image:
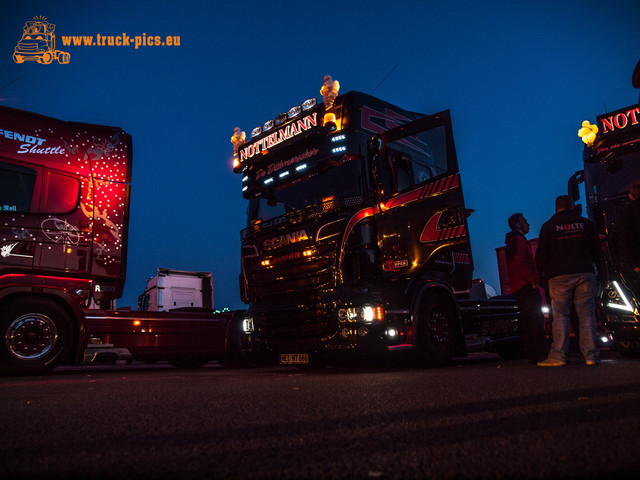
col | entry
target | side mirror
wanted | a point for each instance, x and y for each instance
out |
(573, 187)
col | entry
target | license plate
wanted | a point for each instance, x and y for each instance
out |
(294, 358)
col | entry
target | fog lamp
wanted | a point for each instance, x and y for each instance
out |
(247, 325)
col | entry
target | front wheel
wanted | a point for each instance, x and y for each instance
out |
(36, 335)
(628, 348)
(436, 330)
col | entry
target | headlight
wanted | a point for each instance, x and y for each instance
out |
(617, 299)
(247, 325)
(367, 314)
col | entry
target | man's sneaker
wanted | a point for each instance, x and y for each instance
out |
(551, 362)
(592, 363)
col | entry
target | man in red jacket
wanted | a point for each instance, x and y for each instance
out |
(523, 279)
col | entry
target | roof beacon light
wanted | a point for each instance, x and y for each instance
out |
(294, 111)
(308, 104)
(280, 119)
(268, 125)
(330, 121)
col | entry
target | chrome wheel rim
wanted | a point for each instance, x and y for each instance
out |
(31, 336)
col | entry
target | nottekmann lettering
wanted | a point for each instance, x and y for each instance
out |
(279, 136)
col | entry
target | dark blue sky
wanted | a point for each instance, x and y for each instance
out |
(518, 77)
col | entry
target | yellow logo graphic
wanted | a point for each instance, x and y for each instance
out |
(38, 43)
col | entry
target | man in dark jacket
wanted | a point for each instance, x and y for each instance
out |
(567, 255)
(523, 280)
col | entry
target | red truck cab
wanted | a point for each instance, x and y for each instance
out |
(64, 210)
(64, 202)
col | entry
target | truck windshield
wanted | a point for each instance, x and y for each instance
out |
(344, 182)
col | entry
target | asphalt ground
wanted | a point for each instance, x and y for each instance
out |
(480, 418)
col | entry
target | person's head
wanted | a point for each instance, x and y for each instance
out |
(564, 202)
(634, 190)
(517, 223)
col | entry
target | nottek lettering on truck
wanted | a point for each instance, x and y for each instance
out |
(279, 136)
(621, 120)
(32, 145)
(286, 239)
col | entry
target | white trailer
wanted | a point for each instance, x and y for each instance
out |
(177, 289)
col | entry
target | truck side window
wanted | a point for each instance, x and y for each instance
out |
(16, 187)
(402, 169)
(431, 159)
(62, 193)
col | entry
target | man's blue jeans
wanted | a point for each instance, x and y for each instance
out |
(579, 289)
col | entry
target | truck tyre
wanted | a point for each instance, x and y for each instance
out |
(235, 357)
(436, 332)
(36, 335)
(628, 348)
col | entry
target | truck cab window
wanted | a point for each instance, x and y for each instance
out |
(414, 160)
(16, 187)
(62, 193)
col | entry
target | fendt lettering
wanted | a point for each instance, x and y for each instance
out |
(391, 260)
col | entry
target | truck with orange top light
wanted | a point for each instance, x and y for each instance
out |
(64, 223)
(357, 242)
(611, 163)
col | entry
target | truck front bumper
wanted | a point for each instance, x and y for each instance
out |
(327, 331)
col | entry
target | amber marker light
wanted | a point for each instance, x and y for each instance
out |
(329, 121)
(136, 323)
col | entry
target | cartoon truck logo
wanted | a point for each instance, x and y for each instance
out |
(38, 43)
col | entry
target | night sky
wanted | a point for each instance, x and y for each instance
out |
(518, 77)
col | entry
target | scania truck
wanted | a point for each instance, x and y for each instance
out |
(357, 243)
(64, 223)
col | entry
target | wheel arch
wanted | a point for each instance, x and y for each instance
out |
(429, 289)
